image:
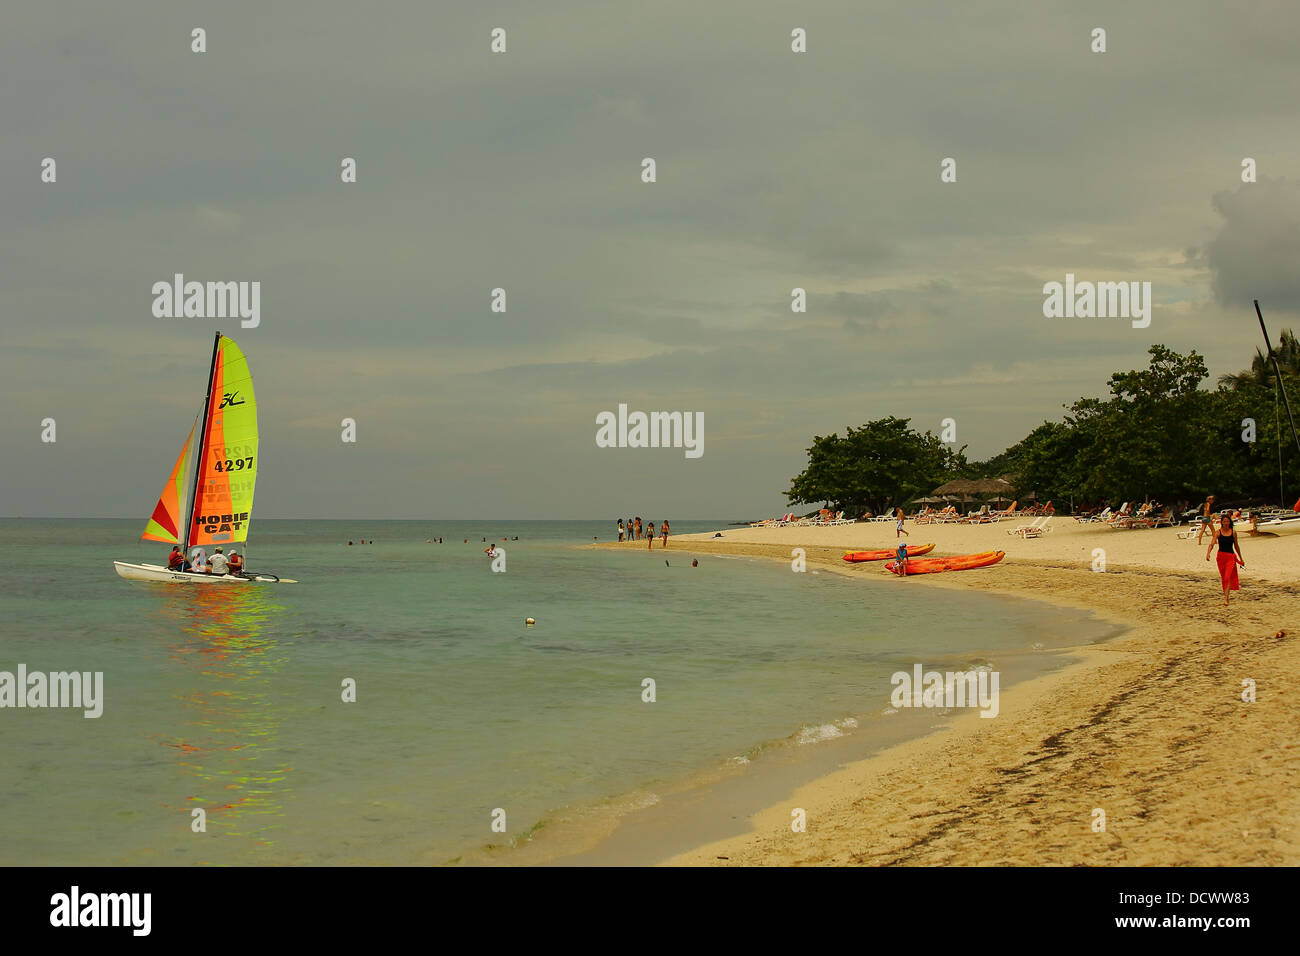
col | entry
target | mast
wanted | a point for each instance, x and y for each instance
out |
(1277, 370)
(198, 451)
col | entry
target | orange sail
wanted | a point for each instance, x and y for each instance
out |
(165, 522)
(223, 496)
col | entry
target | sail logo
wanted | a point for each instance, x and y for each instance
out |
(229, 399)
(1101, 300)
(975, 688)
(215, 524)
(208, 300)
(81, 689)
(75, 908)
(651, 430)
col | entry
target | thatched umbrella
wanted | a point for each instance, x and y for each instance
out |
(958, 486)
(998, 488)
(975, 486)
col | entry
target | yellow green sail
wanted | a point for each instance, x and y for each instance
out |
(223, 500)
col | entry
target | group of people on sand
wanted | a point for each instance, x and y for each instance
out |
(200, 563)
(632, 531)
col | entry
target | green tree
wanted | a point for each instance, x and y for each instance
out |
(878, 465)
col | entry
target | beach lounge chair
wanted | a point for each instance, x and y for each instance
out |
(1118, 516)
(1138, 520)
(1044, 526)
(996, 516)
(1024, 529)
(1153, 520)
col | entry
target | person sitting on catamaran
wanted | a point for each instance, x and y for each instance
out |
(236, 562)
(199, 561)
(176, 561)
(217, 563)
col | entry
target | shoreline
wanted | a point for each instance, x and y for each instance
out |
(650, 821)
(1148, 727)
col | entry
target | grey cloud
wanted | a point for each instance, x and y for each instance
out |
(1255, 252)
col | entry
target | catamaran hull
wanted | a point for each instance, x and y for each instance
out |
(156, 572)
(1281, 525)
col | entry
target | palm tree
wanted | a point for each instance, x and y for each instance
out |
(1260, 374)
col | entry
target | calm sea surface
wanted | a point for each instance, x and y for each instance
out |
(229, 699)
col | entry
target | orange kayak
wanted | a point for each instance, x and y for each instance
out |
(958, 562)
(913, 550)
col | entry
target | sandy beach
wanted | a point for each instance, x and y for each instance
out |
(1150, 728)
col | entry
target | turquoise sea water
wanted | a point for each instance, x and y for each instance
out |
(229, 698)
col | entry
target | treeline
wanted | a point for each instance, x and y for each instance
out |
(1159, 435)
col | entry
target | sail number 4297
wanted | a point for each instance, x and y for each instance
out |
(233, 464)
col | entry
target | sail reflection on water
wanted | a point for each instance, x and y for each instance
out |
(228, 749)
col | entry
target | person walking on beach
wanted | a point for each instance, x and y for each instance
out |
(663, 534)
(1205, 518)
(620, 529)
(638, 527)
(1229, 556)
(650, 533)
(898, 528)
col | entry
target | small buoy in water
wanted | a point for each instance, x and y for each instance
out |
(529, 621)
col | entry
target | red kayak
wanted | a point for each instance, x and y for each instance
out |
(959, 562)
(913, 551)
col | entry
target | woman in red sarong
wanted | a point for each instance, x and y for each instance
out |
(1229, 556)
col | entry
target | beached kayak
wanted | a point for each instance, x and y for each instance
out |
(913, 550)
(958, 562)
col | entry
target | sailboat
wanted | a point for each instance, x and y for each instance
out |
(208, 497)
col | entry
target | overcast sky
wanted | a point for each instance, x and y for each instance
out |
(522, 170)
